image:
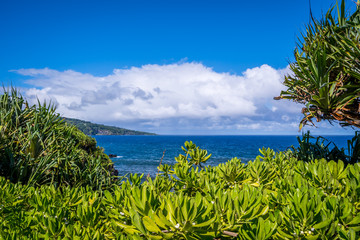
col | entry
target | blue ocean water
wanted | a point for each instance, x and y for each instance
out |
(142, 154)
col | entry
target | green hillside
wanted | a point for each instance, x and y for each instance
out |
(98, 129)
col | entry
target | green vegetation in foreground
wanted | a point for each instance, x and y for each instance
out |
(98, 129)
(37, 147)
(56, 184)
(273, 197)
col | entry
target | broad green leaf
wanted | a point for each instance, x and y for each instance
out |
(205, 224)
(322, 224)
(150, 225)
(355, 220)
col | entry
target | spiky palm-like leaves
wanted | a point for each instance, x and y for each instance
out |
(326, 72)
(38, 147)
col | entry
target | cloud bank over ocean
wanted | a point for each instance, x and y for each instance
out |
(182, 97)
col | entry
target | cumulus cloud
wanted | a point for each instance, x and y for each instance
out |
(180, 95)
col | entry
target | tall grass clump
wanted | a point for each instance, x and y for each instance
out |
(37, 147)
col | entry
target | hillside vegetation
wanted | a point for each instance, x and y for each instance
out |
(98, 129)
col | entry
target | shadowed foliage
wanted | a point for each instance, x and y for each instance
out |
(311, 148)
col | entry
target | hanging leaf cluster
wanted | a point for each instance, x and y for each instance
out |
(325, 75)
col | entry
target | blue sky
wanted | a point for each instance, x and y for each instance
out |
(171, 67)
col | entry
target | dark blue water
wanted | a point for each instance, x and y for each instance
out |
(142, 154)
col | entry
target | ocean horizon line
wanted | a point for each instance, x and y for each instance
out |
(227, 135)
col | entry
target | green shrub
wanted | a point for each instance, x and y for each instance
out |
(37, 147)
(309, 150)
(274, 197)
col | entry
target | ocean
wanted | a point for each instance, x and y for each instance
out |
(142, 154)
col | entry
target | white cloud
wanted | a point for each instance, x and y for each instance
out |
(180, 95)
(249, 126)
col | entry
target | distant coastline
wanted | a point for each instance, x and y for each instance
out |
(90, 128)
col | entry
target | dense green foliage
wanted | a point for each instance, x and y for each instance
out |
(38, 147)
(273, 197)
(56, 184)
(309, 149)
(326, 72)
(98, 129)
